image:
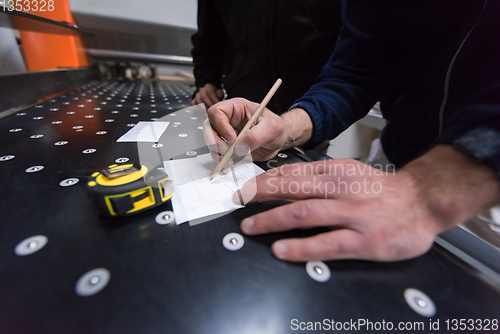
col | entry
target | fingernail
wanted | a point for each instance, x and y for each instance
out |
(279, 249)
(247, 225)
(221, 148)
(227, 168)
(241, 150)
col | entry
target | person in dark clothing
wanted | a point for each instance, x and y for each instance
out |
(244, 46)
(435, 67)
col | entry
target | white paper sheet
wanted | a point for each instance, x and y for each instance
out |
(195, 196)
(145, 132)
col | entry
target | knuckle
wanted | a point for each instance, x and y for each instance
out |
(300, 210)
(334, 249)
(379, 246)
(239, 100)
(330, 178)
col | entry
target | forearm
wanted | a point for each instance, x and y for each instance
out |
(298, 127)
(451, 187)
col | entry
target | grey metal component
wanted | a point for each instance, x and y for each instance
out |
(25, 88)
(311, 156)
(165, 217)
(24, 21)
(92, 282)
(139, 57)
(420, 302)
(134, 35)
(11, 59)
(31, 245)
(34, 169)
(472, 245)
(162, 12)
(233, 241)
(318, 271)
(474, 251)
(122, 160)
(7, 157)
(69, 182)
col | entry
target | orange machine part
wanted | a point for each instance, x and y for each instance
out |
(48, 51)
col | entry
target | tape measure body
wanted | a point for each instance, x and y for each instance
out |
(124, 190)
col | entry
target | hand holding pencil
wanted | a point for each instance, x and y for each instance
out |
(231, 121)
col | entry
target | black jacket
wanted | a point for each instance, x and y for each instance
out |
(246, 45)
(434, 64)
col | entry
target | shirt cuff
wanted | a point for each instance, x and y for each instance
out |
(481, 145)
(317, 132)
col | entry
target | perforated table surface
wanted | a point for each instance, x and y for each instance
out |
(168, 278)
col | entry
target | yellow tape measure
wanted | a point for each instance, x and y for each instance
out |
(123, 190)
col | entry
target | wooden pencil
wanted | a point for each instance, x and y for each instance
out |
(247, 127)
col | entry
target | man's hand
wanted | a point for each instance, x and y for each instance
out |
(271, 134)
(372, 215)
(209, 95)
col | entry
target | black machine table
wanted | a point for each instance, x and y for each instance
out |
(168, 278)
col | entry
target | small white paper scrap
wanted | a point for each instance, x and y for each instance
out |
(195, 196)
(145, 132)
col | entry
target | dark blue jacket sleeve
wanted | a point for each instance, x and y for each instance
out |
(356, 76)
(473, 125)
(474, 128)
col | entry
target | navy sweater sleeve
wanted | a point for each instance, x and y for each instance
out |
(358, 73)
(474, 128)
(473, 125)
(209, 44)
